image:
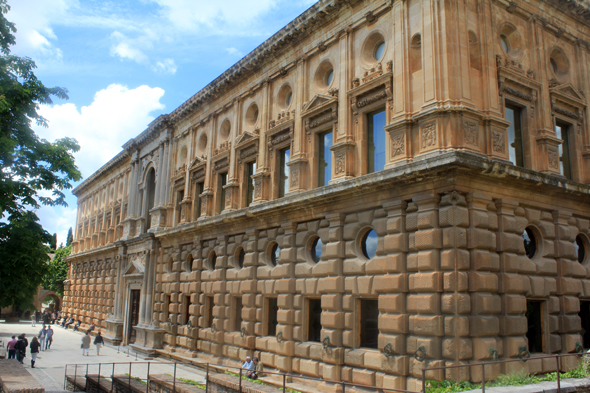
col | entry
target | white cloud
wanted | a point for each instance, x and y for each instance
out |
(167, 66)
(58, 220)
(233, 51)
(194, 14)
(33, 18)
(116, 115)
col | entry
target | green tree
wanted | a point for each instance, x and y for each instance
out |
(24, 256)
(70, 237)
(57, 272)
(34, 171)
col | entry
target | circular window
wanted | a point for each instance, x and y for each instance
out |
(324, 75)
(202, 146)
(241, 255)
(285, 96)
(530, 242)
(559, 65)
(369, 244)
(373, 49)
(225, 129)
(212, 261)
(510, 41)
(252, 115)
(580, 246)
(316, 249)
(379, 50)
(274, 253)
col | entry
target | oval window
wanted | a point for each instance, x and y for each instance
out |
(189, 264)
(288, 99)
(379, 50)
(505, 43)
(580, 249)
(275, 251)
(316, 249)
(329, 77)
(212, 261)
(369, 244)
(241, 256)
(530, 243)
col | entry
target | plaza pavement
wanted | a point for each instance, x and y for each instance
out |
(51, 364)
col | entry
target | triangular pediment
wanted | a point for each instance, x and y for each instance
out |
(568, 90)
(134, 267)
(318, 101)
(246, 137)
(197, 161)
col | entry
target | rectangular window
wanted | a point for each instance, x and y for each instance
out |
(238, 314)
(565, 167)
(200, 189)
(271, 319)
(166, 308)
(585, 318)
(209, 303)
(369, 323)
(186, 308)
(515, 148)
(221, 189)
(179, 198)
(534, 333)
(376, 141)
(314, 320)
(284, 158)
(325, 158)
(251, 171)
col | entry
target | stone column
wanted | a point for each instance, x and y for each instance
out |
(298, 166)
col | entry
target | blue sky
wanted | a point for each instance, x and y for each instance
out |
(125, 62)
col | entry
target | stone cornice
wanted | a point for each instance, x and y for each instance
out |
(151, 133)
(577, 9)
(115, 161)
(304, 24)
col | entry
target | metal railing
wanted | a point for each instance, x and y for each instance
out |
(210, 368)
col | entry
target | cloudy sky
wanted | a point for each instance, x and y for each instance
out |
(125, 62)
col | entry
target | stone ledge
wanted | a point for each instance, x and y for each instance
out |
(14, 378)
(568, 385)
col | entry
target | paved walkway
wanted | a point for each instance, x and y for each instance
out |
(51, 364)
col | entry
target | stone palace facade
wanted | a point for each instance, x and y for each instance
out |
(381, 186)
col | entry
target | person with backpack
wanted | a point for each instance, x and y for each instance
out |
(11, 349)
(21, 347)
(99, 342)
(34, 351)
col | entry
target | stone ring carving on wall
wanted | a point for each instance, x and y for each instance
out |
(243, 332)
(388, 350)
(280, 337)
(523, 353)
(420, 354)
(326, 342)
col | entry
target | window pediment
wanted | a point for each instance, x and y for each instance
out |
(245, 139)
(319, 103)
(566, 101)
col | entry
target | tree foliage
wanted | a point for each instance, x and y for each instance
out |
(24, 256)
(34, 171)
(57, 272)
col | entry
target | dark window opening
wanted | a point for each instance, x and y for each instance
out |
(186, 311)
(580, 247)
(251, 171)
(241, 257)
(515, 147)
(585, 318)
(284, 158)
(534, 333)
(151, 196)
(200, 189)
(369, 323)
(222, 184)
(275, 252)
(273, 309)
(209, 304)
(565, 167)
(238, 314)
(376, 141)
(179, 198)
(325, 159)
(314, 326)
(167, 308)
(530, 243)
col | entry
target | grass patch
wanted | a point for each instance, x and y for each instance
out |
(137, 379)
(517, 379)
(191, 382)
